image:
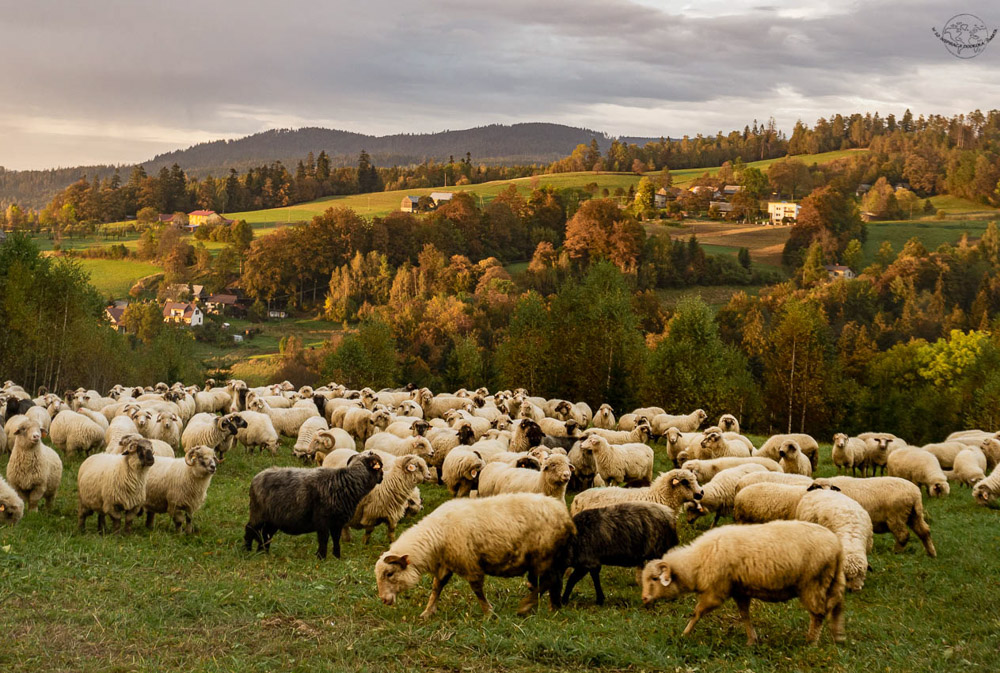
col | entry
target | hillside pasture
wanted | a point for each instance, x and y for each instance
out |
(158, 601)
(114, 277)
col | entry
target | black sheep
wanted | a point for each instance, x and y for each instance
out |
(627, 534)
(298, 500)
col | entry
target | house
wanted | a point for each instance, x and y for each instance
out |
(276, 314)
(196, 218)
(179, 291)
(862, 189)
(839, 271)
(730, 190)
(183, 313)
(782, 211)
(223, 304)
(114, 315)
(704, 189)
(721, 206)
(164, 218)
(409, 204)
(440, 197)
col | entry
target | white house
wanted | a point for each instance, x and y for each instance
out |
(839, 271)
(184, 313)
(779, 211)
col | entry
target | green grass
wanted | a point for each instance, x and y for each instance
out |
(713, 295)
(115, 276)
(931, 232)
(156, 601)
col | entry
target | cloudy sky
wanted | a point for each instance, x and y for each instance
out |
(109, 81)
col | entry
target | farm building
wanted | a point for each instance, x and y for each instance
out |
(114, 315)
(183, 313)
(409, 204)
(729, 190)
(440, 197)
(834, 271)
(224, 304)
(196, 218)
(781, 211)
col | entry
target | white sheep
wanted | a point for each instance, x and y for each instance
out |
(339, 457)
(793, 460)
(307, 431)
(707, 469)
(685, 423)
(166, 427)
(605, 417)
(808, 446)
(73, 432)
(773, 478)
(764, 501)
(715, 445)
(945, 452)
(969, 466)
(326, 441)
(672, 489)
(207, 430)
(848, 453)
(388, 502)
(719, 495)
(397, 446)
(288, 420)
(848, 521)
(729, 423)
(988, 490)
(551, 480)
(11, 505)
(640, 434)
(878, 446)
(177, 486)
(34, 470)
(920, 467)
(620, 463)
(114, 485)
(460, 470)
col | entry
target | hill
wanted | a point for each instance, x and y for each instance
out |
(494, 144)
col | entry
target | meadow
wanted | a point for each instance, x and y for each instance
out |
(158, 601)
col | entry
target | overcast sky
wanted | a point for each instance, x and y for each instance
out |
(106, 81)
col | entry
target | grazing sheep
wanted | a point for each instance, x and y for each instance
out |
(627, 535)
(969, 467)
(672, 489)
(846, 519)
(505, 535)
(719, 495)
(460, 471)
(894, 505)
(444, 440)
(306, 434)
(686, 423)
(706, 470)
(619, 463)
(34, 470)
(11, 505)
(808, 446)
(988, 490)
(920, 467)
(772, 478)
(772, 562)
(715, 445)
(114, 485)
(388, 501)
(764, 501)
(286, 421)
(72, 432)
(326, 441)
(945, 452)
(848, 453)
(729, 423)
(551, 480)
(297, 500)
(792, 460)
(416, 446)
(605, 417)
(640, 434)
(177, 486)
(208, 430)
(991, 449)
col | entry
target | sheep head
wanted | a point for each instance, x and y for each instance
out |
(138, 451)
(394, 574)
(202, 459)
(658, 582)
(466, 435)
(557, 469)
(29, 431)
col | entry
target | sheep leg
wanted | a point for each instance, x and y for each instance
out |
(34, 496)
(102, 523)
(574, 577)
(178, 517)
(715, 521)
(439, 583)
(837, 623)
(477, 589)
(368, 535)
(706, 603)
(815, 627)
(128, 516)
(249, 535)
(743, 605)
(81, 518)
(529, 602)
(595, 575)
(923, 531)
(391, 531)
(149, 519)
(323, 539)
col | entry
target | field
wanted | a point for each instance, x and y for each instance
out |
(156, 601)
(114, 277)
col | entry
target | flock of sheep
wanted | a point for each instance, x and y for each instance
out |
(508, 459)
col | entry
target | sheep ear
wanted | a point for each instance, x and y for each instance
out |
(814, 487)
(834, 488)
(189, 456)
(401, 561)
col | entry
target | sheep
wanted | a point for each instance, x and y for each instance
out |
(404, 426)
(437, 406)
(359, 423)
(460, 471)
(307, 431)
(209, 430)
(706, 470)
(72, 432)
(11, 505)
(177, 486)
(808, 446)
(504, 535)
(584, 468)
(719, 495)
(118, 428)
(339, 458)
(34, 470)
(561, 429)
(444, 440)
(848, 453)
(326, 441)
(660, 423)
(630, 420)
(297, 500)
(848, 521)
(628, 535)
(729, 423)
(287, 421)
(165, 427)
(945, 452)
(605, 417)
(878, 446)
(114, 485)
(417, 446)
(920, 467)
(986, 491)
(387, 502)
(969, 467)
(619, 463)
(991, 449)
(551, 480)
(894, 505)
(525, 434)
(792, 460)
(410, 409)
(678, 442)
(772, 478)
(764, 501)
(715, 445)
(672, 489)
(771, 562)
(640, 434)
(582, 414)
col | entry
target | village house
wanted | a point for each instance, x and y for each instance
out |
(834, 271)
(410, 204)
(196, 218)
(440, 197)
(780, 211)
(722, 207)
(224, 304)
(183, 313)
(114, 315)
(185, 292)
(730, 190)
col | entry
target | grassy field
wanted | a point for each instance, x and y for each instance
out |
(156, 601)
(115, 276)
